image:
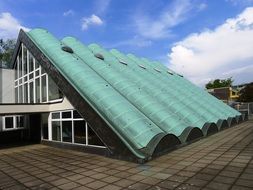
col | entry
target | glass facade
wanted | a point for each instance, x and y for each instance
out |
(68, 126)
(32, 84)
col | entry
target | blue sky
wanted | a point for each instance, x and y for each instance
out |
(146, 28)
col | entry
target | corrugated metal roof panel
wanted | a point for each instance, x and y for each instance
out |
(138, 104)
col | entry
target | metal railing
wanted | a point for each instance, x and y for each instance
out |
(244, 107)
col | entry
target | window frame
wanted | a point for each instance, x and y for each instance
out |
(72, 119)
(24, 78)
(14, 122)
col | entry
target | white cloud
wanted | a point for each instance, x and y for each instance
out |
(240, 2)
(173, 15)
(9, 26)
(70, 12)
(92, 20)
(223, 52)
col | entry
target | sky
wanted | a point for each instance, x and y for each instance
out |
(200, 39)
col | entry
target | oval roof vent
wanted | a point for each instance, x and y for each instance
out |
(123, 62)
(142, 66)
(158, 70)
(99, 56)
(170, 72)
(67, 49)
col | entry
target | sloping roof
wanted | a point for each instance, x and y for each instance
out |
(142, 101)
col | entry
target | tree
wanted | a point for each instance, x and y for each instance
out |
(246, 94)
(6, 51)
(218, 83)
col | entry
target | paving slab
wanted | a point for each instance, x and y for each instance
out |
(221, 161)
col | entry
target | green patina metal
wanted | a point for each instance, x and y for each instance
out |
(138, 98)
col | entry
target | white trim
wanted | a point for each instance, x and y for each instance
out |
(20, 80)
(72, 119)
(14, 122)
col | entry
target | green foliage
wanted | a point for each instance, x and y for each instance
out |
(218, 83)
(246, 94)
(6, 51)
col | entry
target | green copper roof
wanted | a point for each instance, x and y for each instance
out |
(139, 99)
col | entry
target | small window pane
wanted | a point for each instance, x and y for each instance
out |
(44, 88)
(25, 58)
(76, 114)
(31, 76)
(67, 131)
(37, 90)
(79, 132)
(45, 126)
(20, 66)
(93, 138)
(31, 66)
(42, 70)
(9, 123)
(53, 90)
(20, 94)
(56, 115)
(37, 73)
(31, 92)
(26, 93)
(56, 131)
(66, 114)
(36, 64)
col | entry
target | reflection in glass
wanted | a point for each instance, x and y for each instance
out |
(37, 90)
(53, 90)
(93, 138)
(76, 114)
(25, 59)
(79, 132)
(67, 131)
(56, 115)
(45, 125)
(26, 93)
(9, 122)
(31, 92)
(66, 114)
(44, 88)
(56, 131)
(31, 66)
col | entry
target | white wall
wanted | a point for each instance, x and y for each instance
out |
(7, 93)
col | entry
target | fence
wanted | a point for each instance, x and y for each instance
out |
(244, 107)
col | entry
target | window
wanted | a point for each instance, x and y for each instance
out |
(31, 63)
(79, 132)
(70, 127)
(9, 123)
(93, 138)
(44, 118)
(53, 90)
(44, 88)
(56, 131)
(67, 131)
(13, 122)
(32, 84)
(37, 90)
